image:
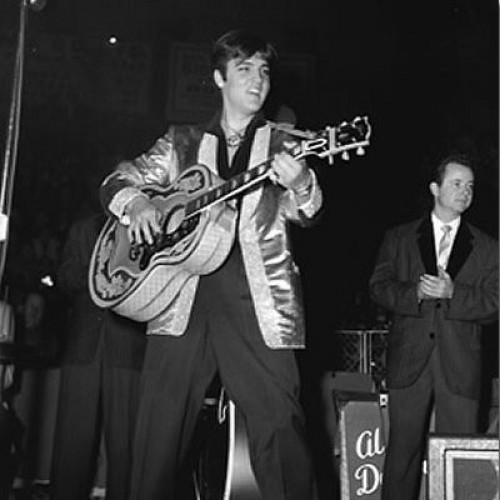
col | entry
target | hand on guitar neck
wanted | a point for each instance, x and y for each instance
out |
(291, 174)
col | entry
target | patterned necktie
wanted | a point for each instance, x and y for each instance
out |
(444, 246)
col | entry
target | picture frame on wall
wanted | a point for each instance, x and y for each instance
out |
(191, 94)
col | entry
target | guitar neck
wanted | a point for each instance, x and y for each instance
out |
(227, 190)
(334, 140)
(237, 184)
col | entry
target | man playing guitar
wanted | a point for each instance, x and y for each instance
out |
(244, 318)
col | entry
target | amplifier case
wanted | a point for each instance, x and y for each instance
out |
(462, 467)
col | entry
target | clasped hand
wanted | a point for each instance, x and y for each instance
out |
(435, 287)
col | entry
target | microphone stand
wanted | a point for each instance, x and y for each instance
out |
(12, 139)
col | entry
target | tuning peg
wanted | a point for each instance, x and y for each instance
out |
(360, 151)
(345, 155)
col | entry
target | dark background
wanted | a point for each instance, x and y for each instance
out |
(424, 72)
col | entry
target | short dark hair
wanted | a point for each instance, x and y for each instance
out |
(438, 171)
(240, 44)
(434, 170)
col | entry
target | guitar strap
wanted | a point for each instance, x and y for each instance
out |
(290, 130)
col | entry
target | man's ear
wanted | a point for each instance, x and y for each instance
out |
(434, 188)
(218, 79)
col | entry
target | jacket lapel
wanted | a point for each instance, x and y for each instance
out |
(462, 247)
(259, 154)
(426, 246)
(207, 152)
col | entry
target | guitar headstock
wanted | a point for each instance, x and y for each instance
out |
(340, 139)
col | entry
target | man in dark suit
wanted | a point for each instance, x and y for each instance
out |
(99, 388)
(439, 277)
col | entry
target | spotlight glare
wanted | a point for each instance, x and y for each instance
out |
(37, 5)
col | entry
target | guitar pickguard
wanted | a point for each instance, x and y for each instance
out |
(109, 285)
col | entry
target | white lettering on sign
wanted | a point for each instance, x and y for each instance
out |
(368, 446)
(370, 479)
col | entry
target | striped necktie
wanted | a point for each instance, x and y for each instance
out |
(444, 246)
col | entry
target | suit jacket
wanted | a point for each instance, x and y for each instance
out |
(453, 325)
(87, 325)
(263, 227)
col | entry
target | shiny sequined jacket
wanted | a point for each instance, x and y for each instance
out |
(263, 227)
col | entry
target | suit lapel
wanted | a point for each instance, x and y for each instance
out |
(207, 152)
(462, 247)
(258, 155)
(427, 246)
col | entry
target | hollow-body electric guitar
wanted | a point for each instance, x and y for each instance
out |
(198, 223)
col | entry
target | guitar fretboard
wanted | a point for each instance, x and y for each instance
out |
(226, 190)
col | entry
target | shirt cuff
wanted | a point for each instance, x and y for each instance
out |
(312, 191)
